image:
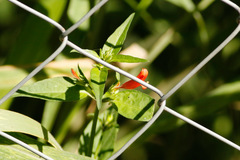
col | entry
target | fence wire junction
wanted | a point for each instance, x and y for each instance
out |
(162, 97)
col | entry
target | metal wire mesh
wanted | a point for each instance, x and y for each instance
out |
(162, 98)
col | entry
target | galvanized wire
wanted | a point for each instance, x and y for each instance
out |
(163, 98)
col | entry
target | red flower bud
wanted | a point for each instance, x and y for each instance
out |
(74, 74)
(133, 84)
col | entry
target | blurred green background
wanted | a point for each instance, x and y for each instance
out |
(174, 36)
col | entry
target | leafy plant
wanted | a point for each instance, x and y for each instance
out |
(132, 104)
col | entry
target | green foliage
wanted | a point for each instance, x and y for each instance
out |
(11, 151)
(176, 35)
(98, 80)
(24, 124)
(134, 105)
(58, 89)
(115, 42)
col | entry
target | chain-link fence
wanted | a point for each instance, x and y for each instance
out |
(162, 97)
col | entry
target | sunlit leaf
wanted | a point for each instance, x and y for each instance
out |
(76, 10)
(114, 43)
(14, 122)
(134, 104)
(98, 80)
(11, 151)
(58, 88)
(127, 59)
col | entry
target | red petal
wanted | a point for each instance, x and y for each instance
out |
(74, 73)
(131, 84)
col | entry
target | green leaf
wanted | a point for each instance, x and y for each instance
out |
(127, 59)
(134, 104)
(56, 11)
(98, 80)
(10, 151)
(76, 10)
(58, 88)
(15, 122)
(115, 42)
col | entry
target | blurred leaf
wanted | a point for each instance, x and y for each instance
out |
(68, 121)
(144, 4)
(98, 80)
(58, 88)
(231, 48)
(32, 44)
(50, 113)
(188, 5)
(11, 151)
(77, 9)
(201, 27)
(6, 12)
(134, 104)
(127, 59)
(223, 125)
(212, 101)
(15, 122)
(115, 41)
(55, 12)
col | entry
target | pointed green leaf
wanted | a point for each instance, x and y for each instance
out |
(127, 59)
(11, 151)
(98, 80)
(114, 43)
(15, 122)
(134, 104)
(58, 88)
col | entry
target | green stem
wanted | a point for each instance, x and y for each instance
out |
(94, 125)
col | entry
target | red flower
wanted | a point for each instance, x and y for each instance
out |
(74, 74)
(133, 84)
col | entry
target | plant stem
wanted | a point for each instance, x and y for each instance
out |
(94, 125)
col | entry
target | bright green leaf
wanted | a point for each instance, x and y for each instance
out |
(98, 80)
(76, 10)
(127, 59)
(115, 42)
(56, 11)
(58, 88)
(14, 122)
(134, 104)
(11, 151)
